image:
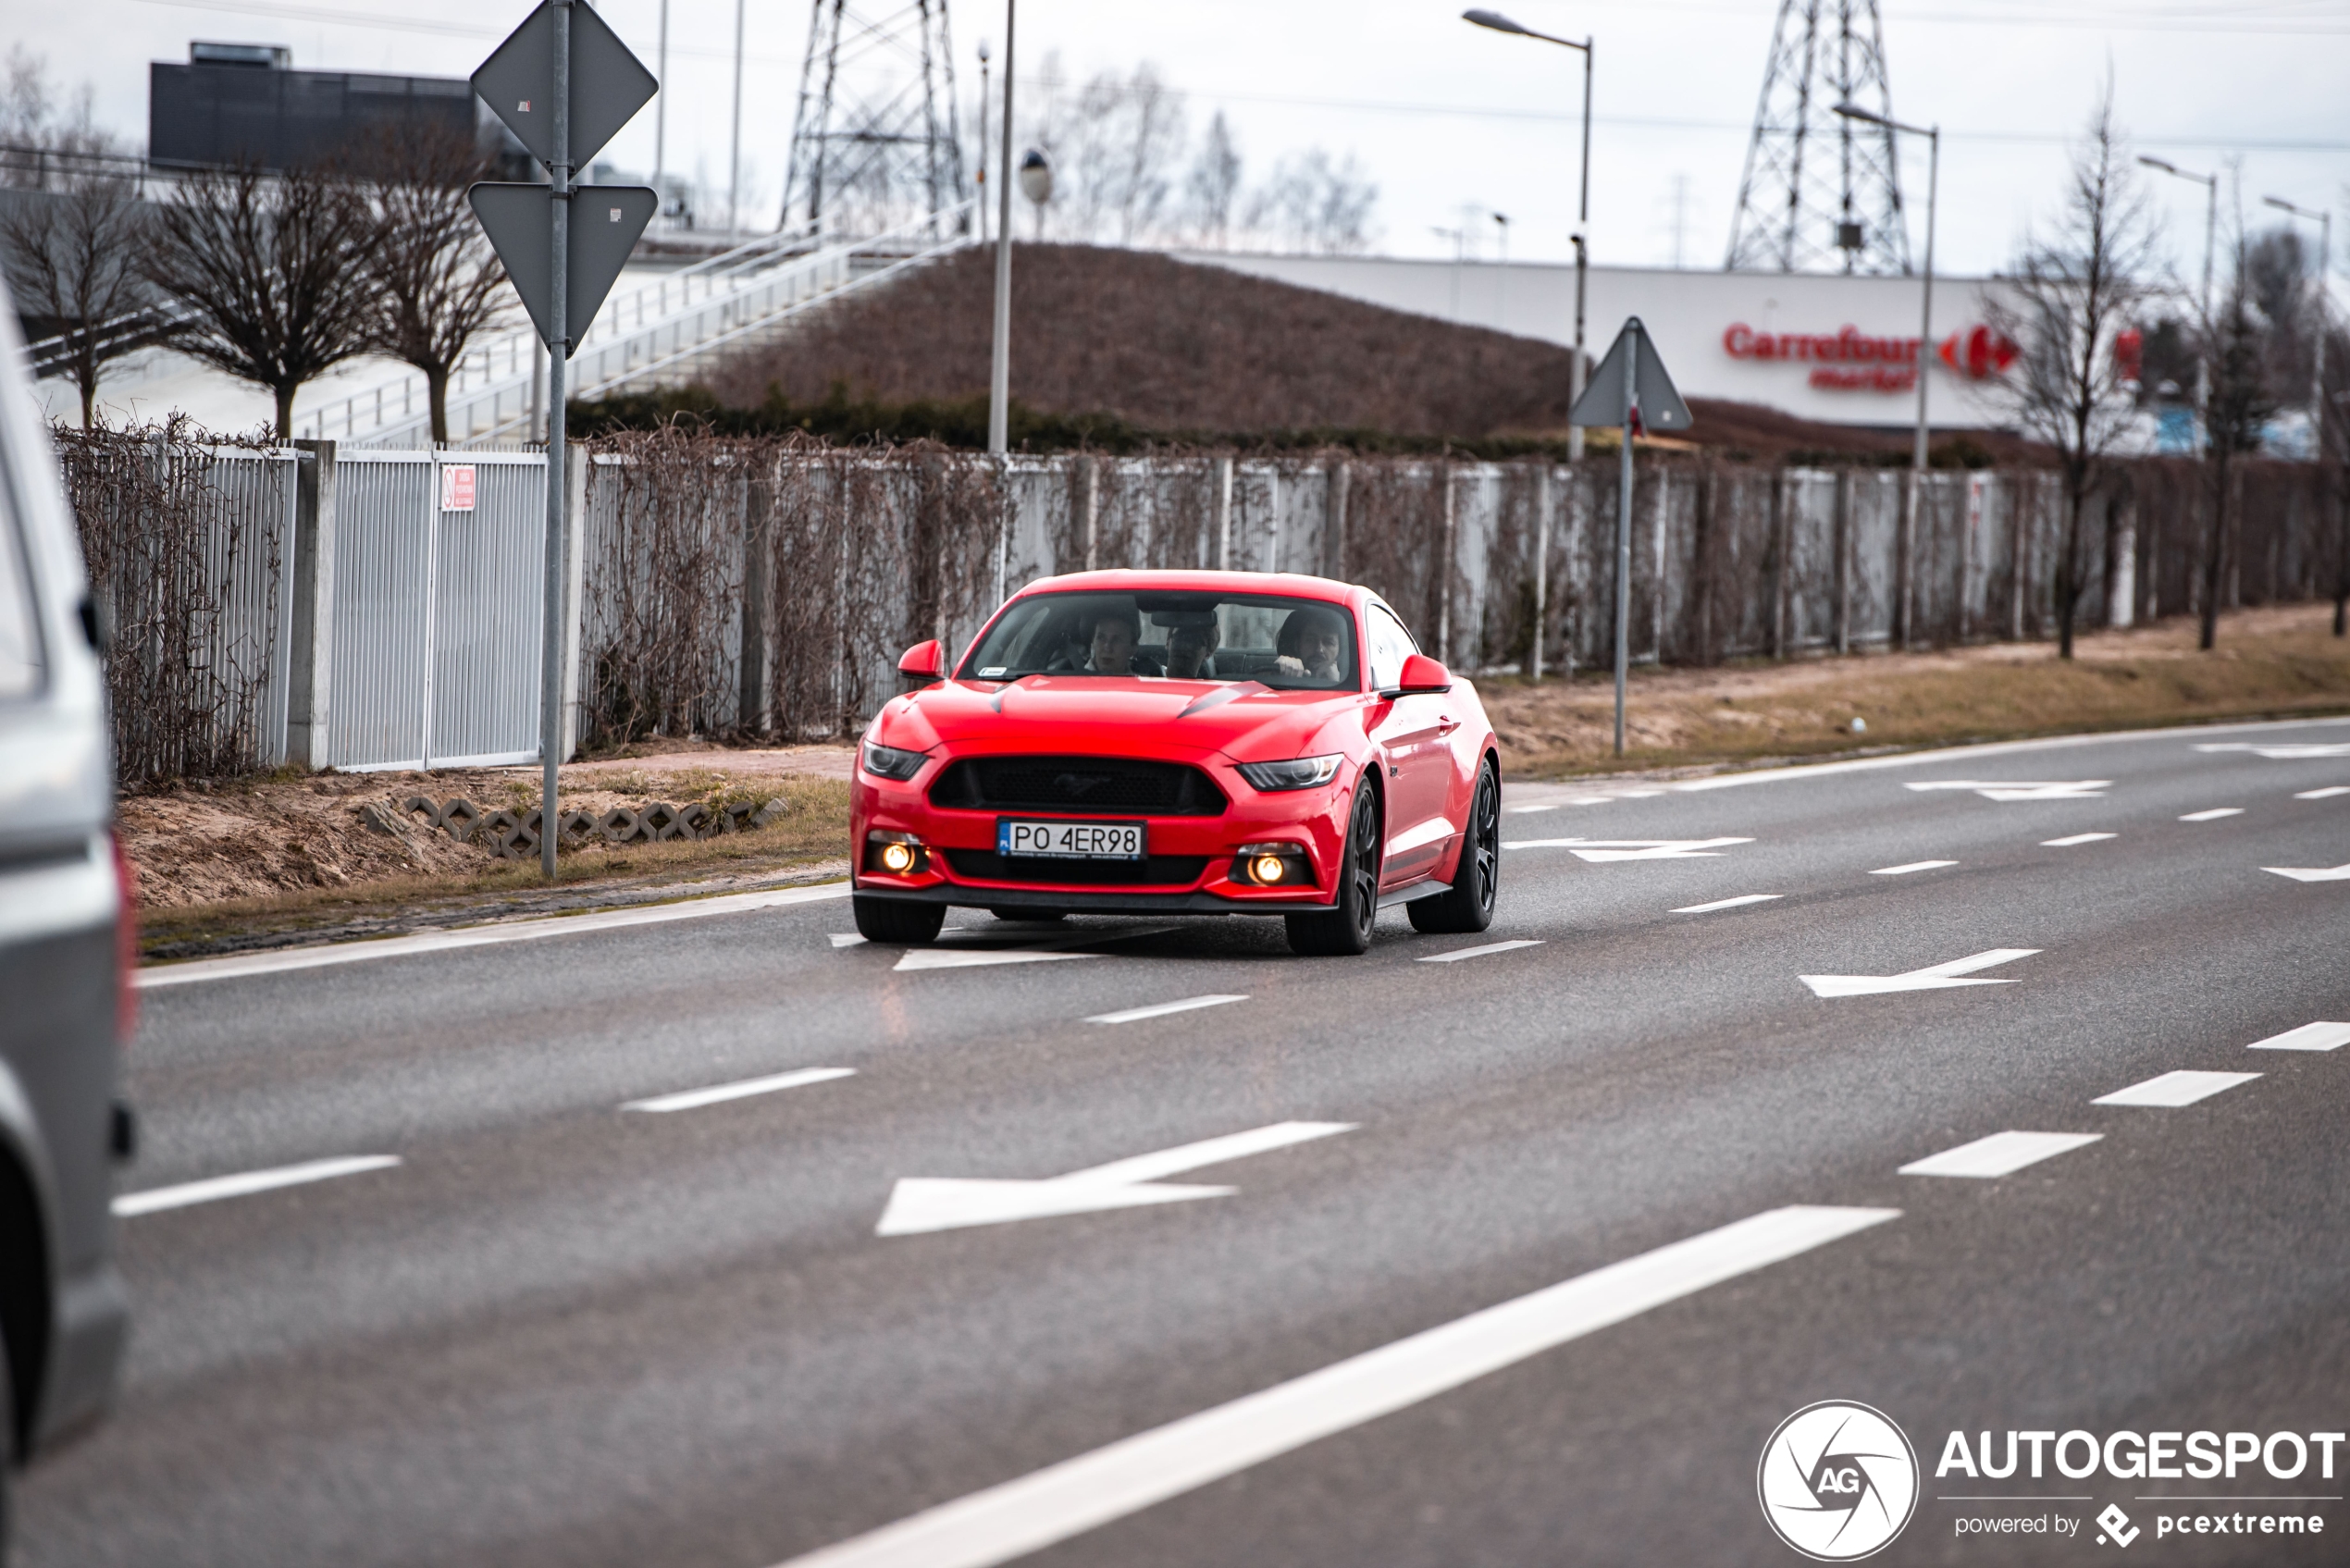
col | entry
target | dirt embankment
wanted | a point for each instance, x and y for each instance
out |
(2269, 663)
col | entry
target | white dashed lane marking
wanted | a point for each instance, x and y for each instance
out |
(2074, 789)
(694, 1099)
(1066, 1499)
(2309, 1037)
(1160, 1009)
(2002, 1153)
(2326, 794)
(1913, 866)
(2172, 1090)
(1740, 902)
(214, 1188)
(1481, 952)
(2076, 838)
(2213, 815)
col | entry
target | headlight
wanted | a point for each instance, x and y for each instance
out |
(888, 762)
(1303, 774)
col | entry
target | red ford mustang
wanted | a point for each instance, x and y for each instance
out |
(1190, 742)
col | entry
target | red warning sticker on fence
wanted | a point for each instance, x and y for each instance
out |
(457, 486)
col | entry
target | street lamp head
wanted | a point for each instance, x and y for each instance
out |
(2283, 205)
(1497, 22)
(1036, 178)
(982, 51)
(1854, 111)
(2165, 166)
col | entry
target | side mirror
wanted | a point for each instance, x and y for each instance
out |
(924, 662)
(1422, 674)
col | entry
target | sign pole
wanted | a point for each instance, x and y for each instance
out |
(551, 647)
(1623, 529)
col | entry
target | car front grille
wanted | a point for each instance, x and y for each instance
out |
(1158, 870)
(1111, 785)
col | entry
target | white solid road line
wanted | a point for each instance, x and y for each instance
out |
(482, 937)
(251, 1181)
(2326, 794)
(2172, 1090)
(1124, 1477)
(920, 1203)
(1160, 1009)
(2002, 1153)
(1458, 954)
(2309, 1037)
(1934, 977)
(694, 1099)
(1738, 903)
(2213, 815)
(1913, 866)
(2076, 838)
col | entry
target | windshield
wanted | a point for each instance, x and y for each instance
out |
(1294, 644)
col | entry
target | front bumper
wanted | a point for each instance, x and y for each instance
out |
(1082, 901)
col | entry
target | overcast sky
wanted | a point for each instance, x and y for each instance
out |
(1443, 114)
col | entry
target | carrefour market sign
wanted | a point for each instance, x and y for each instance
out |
(1851, 360)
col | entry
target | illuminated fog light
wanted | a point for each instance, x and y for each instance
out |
(897, 858)
(1268, 869)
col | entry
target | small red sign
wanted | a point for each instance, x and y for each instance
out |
(457, 486)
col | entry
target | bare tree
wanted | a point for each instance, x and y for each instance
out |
(73, 257)
(2070, 293)
(2240, 405)
(1213, 186)
(436, 280)
(272, 271)
(1314, 204)
(1150, 134)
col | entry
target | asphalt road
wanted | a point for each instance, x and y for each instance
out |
(558, 1332)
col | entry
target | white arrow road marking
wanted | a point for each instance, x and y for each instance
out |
(1459, 953)
(481, 936)
(2311, 873)
(2213, 815)
(2309, 1037)
(2326, 794)
(2002, 1153)
(2299, 752)
(1934, 977)
(1913, 866)
(955, 956)
(2076, 789)
(846, 939)
(2076, 838)
(251, 1181)
(1739, 902)
(1124, 1477)
(921, 1203)
(1600, 850)
(694, 1099)
(1160, 1009)
(2175, 1089)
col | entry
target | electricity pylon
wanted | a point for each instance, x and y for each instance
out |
(874, 141)
(1821, 192)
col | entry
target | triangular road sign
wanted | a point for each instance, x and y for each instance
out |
(1604, 402)
(605, 222)
(608, 83)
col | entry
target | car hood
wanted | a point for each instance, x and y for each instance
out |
(1094, 715)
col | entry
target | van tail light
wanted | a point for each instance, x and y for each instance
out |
(126, 942)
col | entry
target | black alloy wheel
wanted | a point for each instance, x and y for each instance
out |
(1346, 929)
(896, 919)
(1469, 904)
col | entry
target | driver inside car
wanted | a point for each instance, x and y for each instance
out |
(1309, 644)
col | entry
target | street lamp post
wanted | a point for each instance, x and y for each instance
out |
(1932, 134)
(2210, 182)
(1501, 23)
(999, 376)
(982, 202)
(2318, 372)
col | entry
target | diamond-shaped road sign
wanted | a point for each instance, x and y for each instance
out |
(605, 221)
(608, 83)
(1604, 402)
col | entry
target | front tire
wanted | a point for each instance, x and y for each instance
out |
(896, 919)
(1468, 906)
(1347, 930)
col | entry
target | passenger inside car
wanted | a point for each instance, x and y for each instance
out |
(1111, 648)
(1192, 638)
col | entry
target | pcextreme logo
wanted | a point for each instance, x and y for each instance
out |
(1838, 1480)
